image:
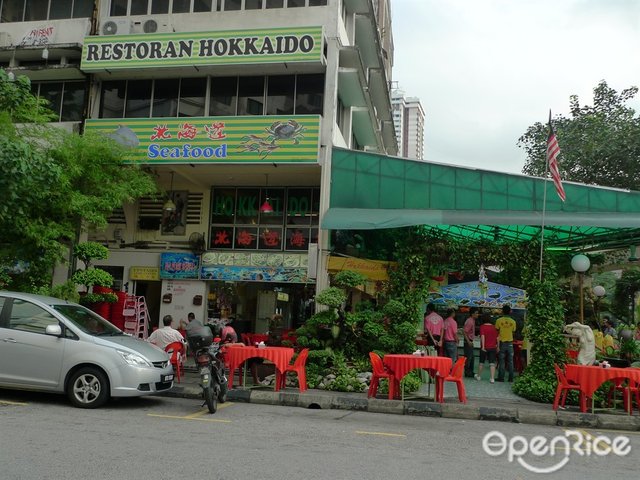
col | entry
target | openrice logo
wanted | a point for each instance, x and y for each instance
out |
(558, 448)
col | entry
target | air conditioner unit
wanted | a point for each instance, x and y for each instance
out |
(5, 39)
(150, 25)
(120, 26)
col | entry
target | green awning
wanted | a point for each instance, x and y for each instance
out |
(372, 191)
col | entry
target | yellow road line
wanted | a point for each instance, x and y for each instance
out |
(7, 402)
(382, 434)
(196, 415)
(189, 418)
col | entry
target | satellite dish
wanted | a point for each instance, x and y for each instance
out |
(109, 28)
(150, 26)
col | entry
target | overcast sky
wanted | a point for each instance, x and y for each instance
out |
(485, 70)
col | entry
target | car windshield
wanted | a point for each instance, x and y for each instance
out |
(87, 321)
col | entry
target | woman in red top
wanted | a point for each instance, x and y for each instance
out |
(488, 346)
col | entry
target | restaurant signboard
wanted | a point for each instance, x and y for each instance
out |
(179, 265)
(247, 139)
(193, 49)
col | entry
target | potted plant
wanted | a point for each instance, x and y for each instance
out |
(97, 293)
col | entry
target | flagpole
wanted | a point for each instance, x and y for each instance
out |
(544, 205)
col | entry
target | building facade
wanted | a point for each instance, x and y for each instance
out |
(408, 119)
(234, 106)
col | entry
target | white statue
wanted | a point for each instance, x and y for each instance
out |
(587, 353)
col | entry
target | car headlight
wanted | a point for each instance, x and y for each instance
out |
(135, 359)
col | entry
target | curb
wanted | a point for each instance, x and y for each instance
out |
(336, 401)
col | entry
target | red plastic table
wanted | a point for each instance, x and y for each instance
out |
(590, 378)
(237, 354)
(400, 365)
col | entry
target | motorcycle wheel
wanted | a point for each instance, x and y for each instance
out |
(222, 395)
(210, 399)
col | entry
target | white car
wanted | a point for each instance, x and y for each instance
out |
(52, 345)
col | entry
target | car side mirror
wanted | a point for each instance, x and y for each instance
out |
(217, 340)
(53, 330)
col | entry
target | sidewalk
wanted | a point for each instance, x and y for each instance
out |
(485, 401)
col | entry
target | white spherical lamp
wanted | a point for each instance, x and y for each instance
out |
(599, 291)
(580, 263)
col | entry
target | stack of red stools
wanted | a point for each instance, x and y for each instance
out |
(117, 317)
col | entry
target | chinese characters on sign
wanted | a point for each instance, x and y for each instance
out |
(215, 131)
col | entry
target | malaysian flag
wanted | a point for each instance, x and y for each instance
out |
(553, 150)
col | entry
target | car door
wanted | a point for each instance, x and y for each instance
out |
(29, 357)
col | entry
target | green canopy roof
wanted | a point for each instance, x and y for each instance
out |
(372, 191)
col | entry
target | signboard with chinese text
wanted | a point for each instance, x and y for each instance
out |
(239, 47)
(199, 140)
(179, 265)
(144, 273)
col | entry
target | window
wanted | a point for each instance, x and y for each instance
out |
(228, 96)
(237, 223)
(280, 94)
(232, 5)
(275, 3)
(28, 317)
(295, 3)
(118, 8)
(60, 9)
(140, 7)
(66, 99)
(112, 99)
(138, 101)
(317, 3)
(224, 96)
(309, 94)
(252, 4)
(193, 93)
(181, 6)
(251, 96)
(159, 6)
(165, 98)
(12, 11)
(72, 102)
(202, 5)
(52, 92)
(84, 8)
(36, 10)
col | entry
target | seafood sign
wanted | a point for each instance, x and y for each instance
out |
(158, 50)
(254, 139)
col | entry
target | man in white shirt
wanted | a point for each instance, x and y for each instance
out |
(165, 335)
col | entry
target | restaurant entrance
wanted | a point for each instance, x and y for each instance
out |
(252, 304)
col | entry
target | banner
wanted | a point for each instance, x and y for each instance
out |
(179, 265)
(372, 269)
(162, 50)
(246, 139)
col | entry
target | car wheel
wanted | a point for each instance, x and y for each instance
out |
(88, 388)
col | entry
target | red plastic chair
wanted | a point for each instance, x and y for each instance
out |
(177, 351)
(379, 372)
(299, 367)
(456, 377)
(629, 390)
(564, 386)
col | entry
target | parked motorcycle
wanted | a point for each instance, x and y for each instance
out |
(209, 359)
